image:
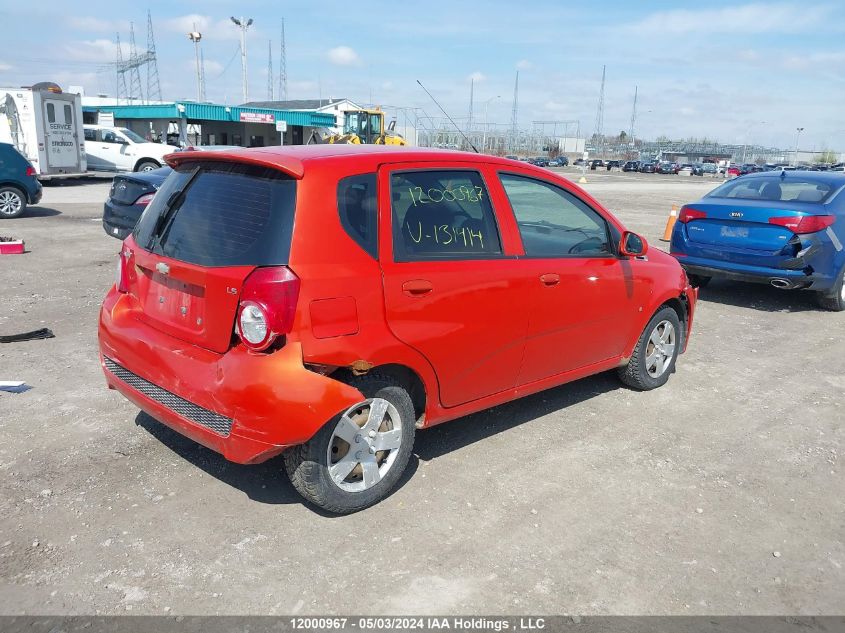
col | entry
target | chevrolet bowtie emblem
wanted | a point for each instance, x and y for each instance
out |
(162, 268)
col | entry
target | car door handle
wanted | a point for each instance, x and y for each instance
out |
(417, 287)
(550, 279)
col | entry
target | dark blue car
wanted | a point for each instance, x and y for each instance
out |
(18, 184)
(781, 228)
(128, 197)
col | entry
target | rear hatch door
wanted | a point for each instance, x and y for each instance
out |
(210, 225)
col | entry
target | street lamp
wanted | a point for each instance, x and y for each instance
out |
(195, 36)
(797, 138)
(243, 24)
(486, 105)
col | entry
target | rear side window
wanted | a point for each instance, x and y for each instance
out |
(357, 206)
(442, 215)
(221, 214)
(776, 189)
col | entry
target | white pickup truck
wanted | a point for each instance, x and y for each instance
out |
(120, 149)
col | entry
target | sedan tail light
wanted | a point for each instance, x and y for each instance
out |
(144, 200)
(801, 224)
(687, 215)
(267, 307)
(30, 171)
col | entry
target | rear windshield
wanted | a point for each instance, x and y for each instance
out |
(776, 189)
(221, 214)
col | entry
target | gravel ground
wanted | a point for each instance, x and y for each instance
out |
(720, 493)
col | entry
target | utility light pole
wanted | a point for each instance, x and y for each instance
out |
(797, 138)
(243, 24)
(747, 134)
(486, 105)
(195, 36)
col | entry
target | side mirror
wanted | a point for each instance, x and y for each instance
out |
(632, 245)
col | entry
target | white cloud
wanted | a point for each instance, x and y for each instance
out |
(4, 66)
(99, 50)
(748, 19)
(476, 77)
(88, 23)
(524, 64)
(187, 23)
(343, 56)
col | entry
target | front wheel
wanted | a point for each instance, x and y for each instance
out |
(12, 202)
(835, 299)
(656, 352)
(357, 458)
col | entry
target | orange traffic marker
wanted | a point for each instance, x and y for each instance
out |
(670, 224)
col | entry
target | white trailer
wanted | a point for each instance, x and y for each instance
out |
(45, 124)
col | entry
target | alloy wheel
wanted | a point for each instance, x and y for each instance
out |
(660, 349)
(364, 445)
(10, 203)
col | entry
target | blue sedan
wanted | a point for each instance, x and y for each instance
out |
(781, 228)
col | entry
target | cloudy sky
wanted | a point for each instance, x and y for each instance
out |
(733, 71)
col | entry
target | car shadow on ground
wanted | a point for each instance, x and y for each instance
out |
(265, 483)
(39, 212)
(445, 438)
(758, 297)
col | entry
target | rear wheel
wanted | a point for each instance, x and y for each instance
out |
(12, 202)
(656, 352)
(835, 299)
(357, 458)
(147, 165)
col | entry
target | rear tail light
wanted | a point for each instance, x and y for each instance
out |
(687, 215)
(30, 171)
(804, 223)
(121, 282)
(268, 306)
(144, 200)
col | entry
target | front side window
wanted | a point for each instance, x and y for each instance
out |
(554, 223)
(109, 137)
(357, 206)
(135, 138)
(442, 215)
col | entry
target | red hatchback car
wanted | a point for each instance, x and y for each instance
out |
(328, 301)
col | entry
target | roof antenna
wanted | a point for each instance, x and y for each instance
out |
(474, 148)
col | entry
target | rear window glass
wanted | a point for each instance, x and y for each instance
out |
(442, 215)
(221, 214)
(776, 189)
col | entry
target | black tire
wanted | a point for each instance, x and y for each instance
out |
(12, 202)
(698, 281)
(635, 374)
(307, 465)
(147, 165)
(834, 300)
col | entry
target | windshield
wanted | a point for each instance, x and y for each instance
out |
(774, 188)
(131, 135)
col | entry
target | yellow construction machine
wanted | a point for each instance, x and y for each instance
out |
(363, 126)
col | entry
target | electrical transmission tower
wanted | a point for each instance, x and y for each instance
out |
(471, 96)
(515, 113)
(153, 85)
(270, 95)
(121, 77)
(634, 116)
(597, 135)
(202, 74)
(135, 91)
(283, 68)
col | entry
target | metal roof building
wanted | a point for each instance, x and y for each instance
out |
(211, 123)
